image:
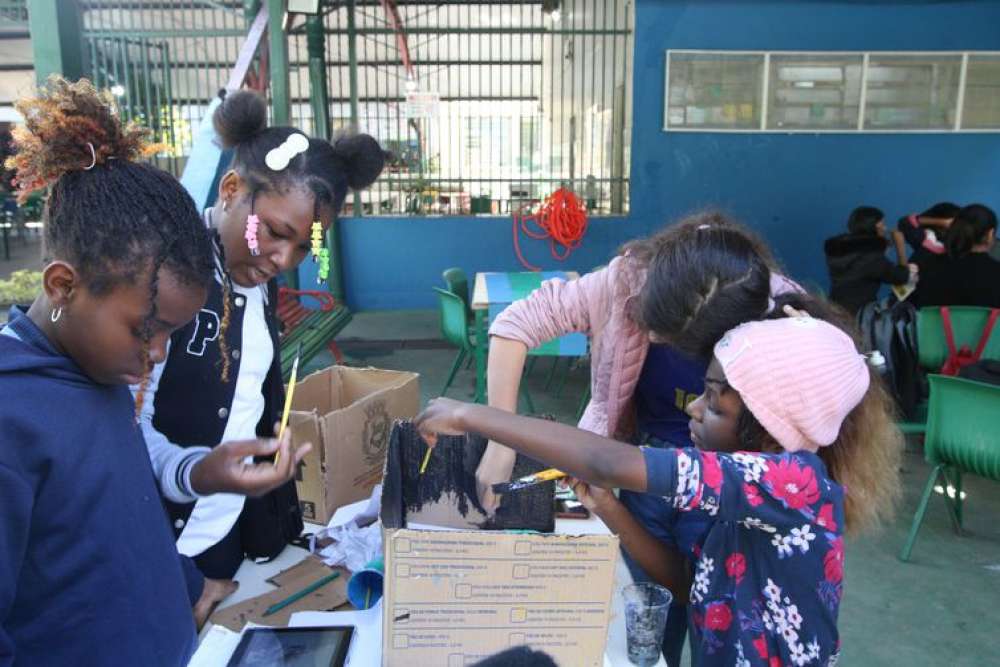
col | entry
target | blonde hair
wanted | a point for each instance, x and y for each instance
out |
(865, 460)
(867, 454)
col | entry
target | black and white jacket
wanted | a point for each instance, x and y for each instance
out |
(187, 409)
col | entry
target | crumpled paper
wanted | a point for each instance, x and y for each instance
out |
(353, 538)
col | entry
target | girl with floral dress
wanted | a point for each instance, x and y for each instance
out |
(790, 420)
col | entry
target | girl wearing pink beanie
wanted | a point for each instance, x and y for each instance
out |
(795, 444)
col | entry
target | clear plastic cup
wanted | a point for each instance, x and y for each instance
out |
(646, 608)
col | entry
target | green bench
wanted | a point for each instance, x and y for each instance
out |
(312, 328)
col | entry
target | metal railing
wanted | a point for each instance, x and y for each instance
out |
(486, 106)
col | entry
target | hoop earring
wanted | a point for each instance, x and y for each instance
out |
(55, 314)
(225, 204)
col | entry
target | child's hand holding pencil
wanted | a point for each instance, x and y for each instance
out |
(229, 467)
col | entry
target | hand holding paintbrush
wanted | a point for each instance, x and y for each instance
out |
(226, 467)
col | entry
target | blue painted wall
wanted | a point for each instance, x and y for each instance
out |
(795, 189)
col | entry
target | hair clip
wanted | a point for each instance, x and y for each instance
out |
(251, 234)
(317, 239)
(280, 156)
(324, 266)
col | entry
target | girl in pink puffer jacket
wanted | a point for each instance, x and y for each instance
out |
(639, 390)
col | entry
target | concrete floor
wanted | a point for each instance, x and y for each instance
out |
(938, 609)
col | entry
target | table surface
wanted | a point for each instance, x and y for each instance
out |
(253, 581)
(480, 293)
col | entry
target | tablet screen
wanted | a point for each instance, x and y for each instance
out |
(293, 647)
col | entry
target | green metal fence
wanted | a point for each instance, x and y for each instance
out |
(508, 100)
(486, 106)
(163, 61)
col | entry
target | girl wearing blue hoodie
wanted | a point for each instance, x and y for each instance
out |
(89, 574)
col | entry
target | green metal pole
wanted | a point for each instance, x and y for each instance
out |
(352, 57)
(57, 28)
(320, 99)
(278, 53)
(318, 94)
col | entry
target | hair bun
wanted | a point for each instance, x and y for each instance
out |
(241, 116)
(363, 157)
(69, 127)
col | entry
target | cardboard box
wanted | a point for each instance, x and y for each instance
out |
(455, 596)
(347, 414)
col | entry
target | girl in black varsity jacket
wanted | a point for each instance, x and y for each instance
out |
(221, 381)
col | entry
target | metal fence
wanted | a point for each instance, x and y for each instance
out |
(486, 106)
(164, 61)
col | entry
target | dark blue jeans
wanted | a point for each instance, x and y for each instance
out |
(681, 530)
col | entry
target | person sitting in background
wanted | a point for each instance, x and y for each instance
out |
(857, 261)
(965, 275)
(924, 231)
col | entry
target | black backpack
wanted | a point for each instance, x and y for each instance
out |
(892, 330)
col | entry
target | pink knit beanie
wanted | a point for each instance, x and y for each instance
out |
(799, 376)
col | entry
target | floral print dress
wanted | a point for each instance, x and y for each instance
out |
(769, 576)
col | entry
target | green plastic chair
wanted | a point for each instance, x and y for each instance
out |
(455, 330)
(963, 436)
(967, 323)
(458, 284)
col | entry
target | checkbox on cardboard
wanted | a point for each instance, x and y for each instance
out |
(400, 640)
(522, 548)
(518, 615)
(401, 615)
(522, 571)
(402, 570)
(402, 545)
(516, 639)
(463, 591)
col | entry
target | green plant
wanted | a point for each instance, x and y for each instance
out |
(22, 287)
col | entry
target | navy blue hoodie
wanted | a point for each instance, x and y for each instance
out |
(89, 574)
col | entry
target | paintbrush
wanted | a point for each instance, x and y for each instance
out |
(427, 457)
(529, 480)
(288, 399)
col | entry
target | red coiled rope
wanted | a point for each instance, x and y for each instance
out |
(562, 218)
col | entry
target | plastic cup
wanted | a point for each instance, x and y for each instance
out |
(646, 608)
(364, 589)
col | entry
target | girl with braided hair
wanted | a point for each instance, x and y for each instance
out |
(221, 379)
(652, 316)
(85, 553)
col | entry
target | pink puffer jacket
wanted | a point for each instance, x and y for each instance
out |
(597, 305)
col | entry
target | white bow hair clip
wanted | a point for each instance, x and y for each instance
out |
(278, 158)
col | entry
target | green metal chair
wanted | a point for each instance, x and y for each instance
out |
(963, 436)
(967, 323)
(455, 330)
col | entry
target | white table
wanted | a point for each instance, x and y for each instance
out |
(253, 582)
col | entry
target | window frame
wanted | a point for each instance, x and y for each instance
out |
(862, 100)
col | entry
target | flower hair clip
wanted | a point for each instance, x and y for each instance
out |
(280, 156)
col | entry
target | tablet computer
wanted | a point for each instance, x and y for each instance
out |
(293, 647)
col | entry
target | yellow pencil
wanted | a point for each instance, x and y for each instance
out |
(427, 457)
(288, 400)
